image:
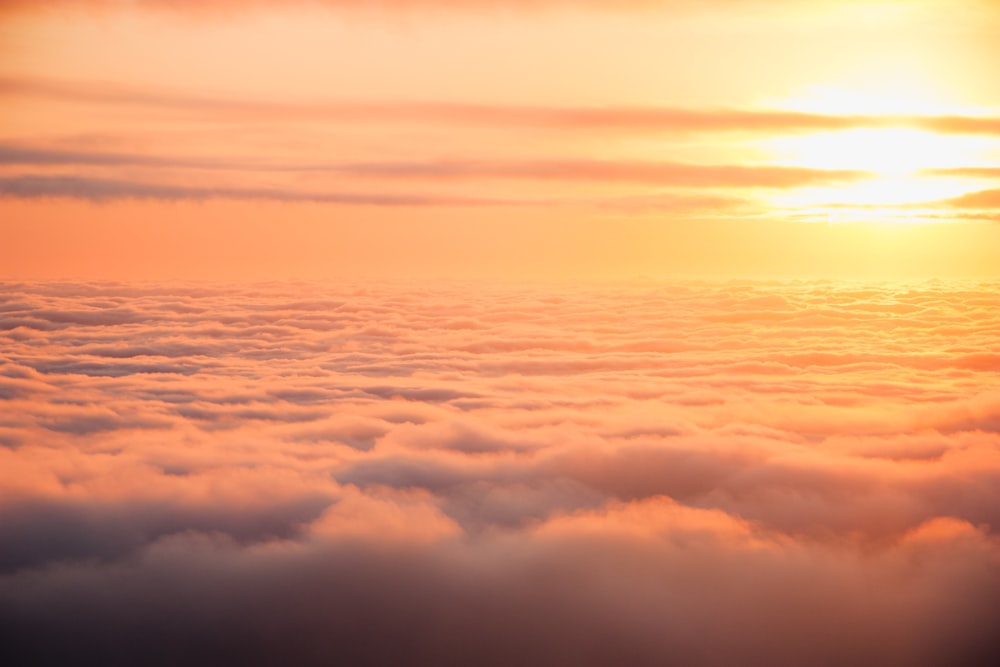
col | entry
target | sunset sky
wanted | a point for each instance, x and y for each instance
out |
(544, 333)
(318, 139)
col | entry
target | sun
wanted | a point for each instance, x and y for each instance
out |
(885, 151)
(904, 164)
(898, 161)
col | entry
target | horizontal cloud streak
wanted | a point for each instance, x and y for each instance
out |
(99, 189)
(28, 155)
(658, 173)
(989, 199)
(960, 172)
(611, 118)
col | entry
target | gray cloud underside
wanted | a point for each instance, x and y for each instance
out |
(444, 474)
(100, 189)
(660, 173)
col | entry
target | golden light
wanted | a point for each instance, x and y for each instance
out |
(897, 158)
(890, 151)
(886, 92)
(881, 191)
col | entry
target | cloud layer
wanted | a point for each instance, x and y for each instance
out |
(376, 473)
(619, 118)
(397, 153)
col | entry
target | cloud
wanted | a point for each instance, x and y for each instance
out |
(975, 172)
(40, 532)
(622, 585)
(654, 173)
(563, 119)
(450, 473)
(982, 199)
(976, 205)
(100, 190)
(659, 173)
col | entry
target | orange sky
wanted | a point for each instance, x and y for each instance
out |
(499, 332)
(501, 138)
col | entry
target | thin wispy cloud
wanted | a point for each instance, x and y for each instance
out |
(658, 173)
(610, 118)
(99, 190)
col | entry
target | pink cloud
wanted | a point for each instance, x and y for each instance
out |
(587, 474)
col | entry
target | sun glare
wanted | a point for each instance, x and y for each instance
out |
(895, 157)
(881, 191)
(903, 95)
(898, 159)
(886, 151)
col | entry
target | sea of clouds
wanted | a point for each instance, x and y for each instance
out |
(646, 473)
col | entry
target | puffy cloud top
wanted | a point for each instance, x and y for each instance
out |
(377, 473)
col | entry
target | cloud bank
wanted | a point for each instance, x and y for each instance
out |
(445, 473)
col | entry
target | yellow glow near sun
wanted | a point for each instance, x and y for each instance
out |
(889, 151)
(892, 93)
(894, 156)
(883, 191)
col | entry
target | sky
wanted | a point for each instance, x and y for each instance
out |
(499, 138)
(499, 332)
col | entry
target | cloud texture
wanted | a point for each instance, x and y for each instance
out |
(642, 474)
